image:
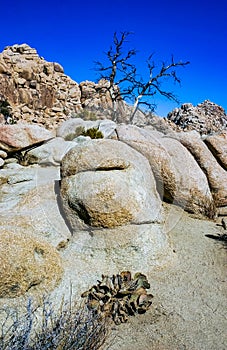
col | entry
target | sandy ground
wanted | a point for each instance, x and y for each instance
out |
(190, 297)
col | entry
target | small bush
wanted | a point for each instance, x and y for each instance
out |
(71, 327)
(79, 131)
(94, 133)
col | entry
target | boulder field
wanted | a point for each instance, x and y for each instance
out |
(80, 198)
(100, 200)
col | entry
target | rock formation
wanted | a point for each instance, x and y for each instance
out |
(186, 185)
(216, 175)
(16, 137)
(75, 206)
(27, 262)
(106, 189)
(39, 92)
(217, 143)
(207, 117)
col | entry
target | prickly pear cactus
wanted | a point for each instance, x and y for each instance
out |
(119, 296)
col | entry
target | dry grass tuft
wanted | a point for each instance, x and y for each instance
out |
(72, 327)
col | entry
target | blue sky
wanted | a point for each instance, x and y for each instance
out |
(76, 33)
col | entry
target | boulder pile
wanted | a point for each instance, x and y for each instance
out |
(82, 194)
(206, 118)
(39, 92)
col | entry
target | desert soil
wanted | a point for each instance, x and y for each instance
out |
(190, 296)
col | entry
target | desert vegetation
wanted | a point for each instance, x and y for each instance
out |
(125, 82)
(72, 326)
(78, 326)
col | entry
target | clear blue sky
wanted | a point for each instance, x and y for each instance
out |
(76, 33)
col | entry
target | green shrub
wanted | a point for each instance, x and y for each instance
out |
(94, 133)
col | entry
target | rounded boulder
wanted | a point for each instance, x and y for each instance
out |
(105, 183)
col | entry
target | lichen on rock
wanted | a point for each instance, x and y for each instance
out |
(27, 262)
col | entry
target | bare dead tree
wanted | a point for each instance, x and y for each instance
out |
(124, 81)
(153, 85)
(118, 71)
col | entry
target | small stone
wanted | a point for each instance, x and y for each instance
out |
(3, 154)
(21, 81)
(1, 162)
(33, 84)
(58, 68)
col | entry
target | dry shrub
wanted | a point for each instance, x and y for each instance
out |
(71, 327)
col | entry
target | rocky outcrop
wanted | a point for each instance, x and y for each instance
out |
(217, 144)
(216, 175)
(48, 154)
(19, 136)
(178, 176)
(102, 189)
(39, 92)
(74, 127)
(27, 263)
(72, 208)
(206, 118)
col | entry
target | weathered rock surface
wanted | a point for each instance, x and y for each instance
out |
(50, 153)
(189, 304)
(3, 154)
(30, 205)
(31, 210)
(179, 178)
(217, 144)
(39, 92)
(216, 175)
(206, 118)
(106, 189)
(144, 247)
(26, 262)
(29, 200)
(73, 127)
(18, 136)
(111, 218)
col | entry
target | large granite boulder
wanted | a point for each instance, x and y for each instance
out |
(29, 199)
(48, 154)
(179, 178)
(19, 136)
(105, 183)
(74, 127)
(217, 144)
(216, 175)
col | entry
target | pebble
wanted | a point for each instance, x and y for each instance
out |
(1, 162)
